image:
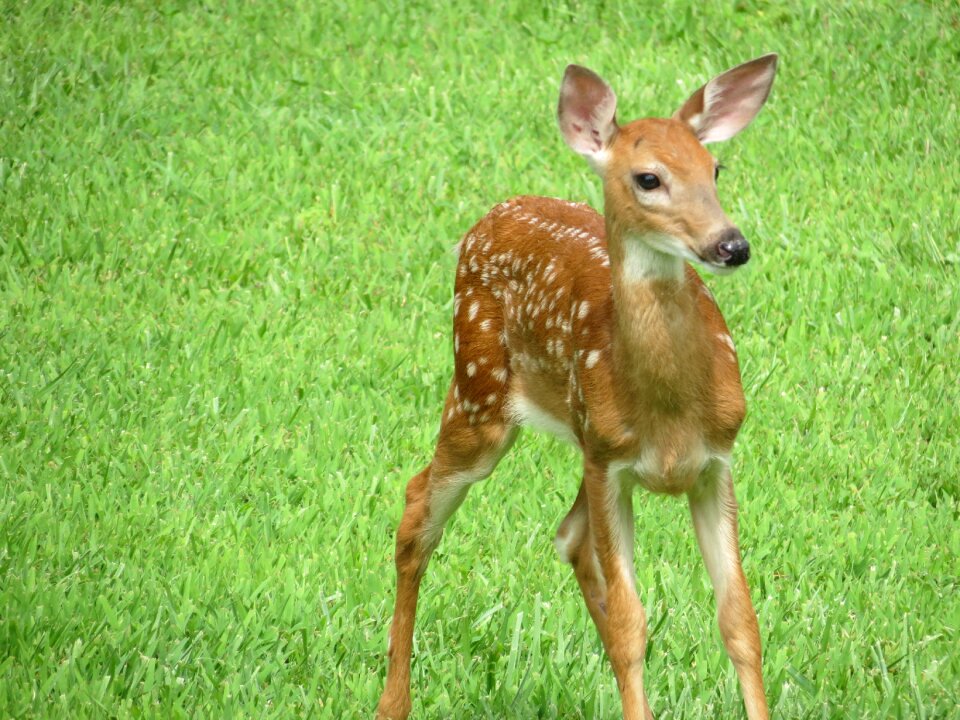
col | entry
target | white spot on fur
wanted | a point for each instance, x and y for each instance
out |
(471, 369)
(584, 309)
(593, 357)
(500, 374)
(474, 309)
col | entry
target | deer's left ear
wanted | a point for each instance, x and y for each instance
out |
(726, 105)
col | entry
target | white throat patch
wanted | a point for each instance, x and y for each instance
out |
(654, 257)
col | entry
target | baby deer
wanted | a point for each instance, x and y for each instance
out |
(596, 329)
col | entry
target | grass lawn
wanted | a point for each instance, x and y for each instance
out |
(225, 298)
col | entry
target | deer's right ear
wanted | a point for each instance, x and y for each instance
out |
(586, 115)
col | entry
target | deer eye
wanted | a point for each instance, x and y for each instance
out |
(647, 181)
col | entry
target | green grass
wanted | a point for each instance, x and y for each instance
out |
(225, 298)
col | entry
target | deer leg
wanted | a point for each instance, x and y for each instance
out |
(596, 537)
(713, 507)
(465, 454)
(575, 546)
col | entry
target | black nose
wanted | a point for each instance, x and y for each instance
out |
(733, 249)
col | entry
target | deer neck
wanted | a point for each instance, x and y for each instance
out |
(657, 329)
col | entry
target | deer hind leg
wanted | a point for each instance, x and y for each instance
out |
(466, 453)
(596, 538)
(713, 507)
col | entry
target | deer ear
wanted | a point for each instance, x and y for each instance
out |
(726, 105)
(586, 114)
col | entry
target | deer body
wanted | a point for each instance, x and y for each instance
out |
(596, 329)
(638, 371)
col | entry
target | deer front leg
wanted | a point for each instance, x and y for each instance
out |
(596, 537)
(713, 507)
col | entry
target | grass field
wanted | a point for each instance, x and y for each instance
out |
(225, 299)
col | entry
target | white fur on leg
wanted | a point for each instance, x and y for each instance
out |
(620, 507)
(713, 508)
(447, 493)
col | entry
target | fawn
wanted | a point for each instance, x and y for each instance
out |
(595, 328)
